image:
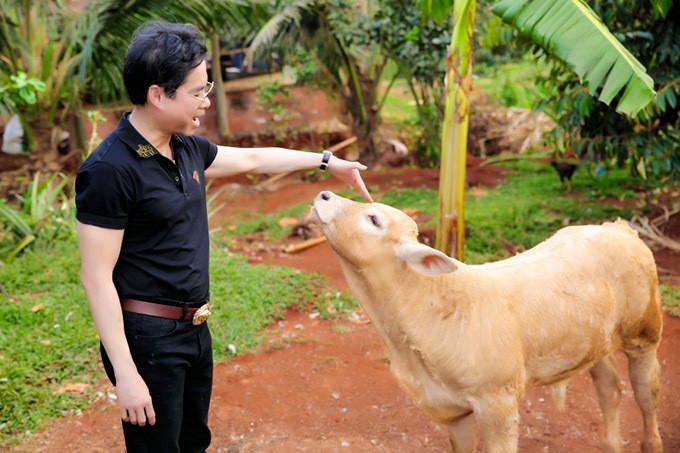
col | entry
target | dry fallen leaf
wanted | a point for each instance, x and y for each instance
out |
(76, 387)
(288, 222)
(36, 308)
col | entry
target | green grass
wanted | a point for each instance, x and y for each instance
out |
(424, 200)
(248, 298)
(507, 84)
(533, 205)
(46, 338)
(267, 224)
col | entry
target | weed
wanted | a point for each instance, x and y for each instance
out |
(670, 298)
(45, 210)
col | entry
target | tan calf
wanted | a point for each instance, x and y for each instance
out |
(466, 341)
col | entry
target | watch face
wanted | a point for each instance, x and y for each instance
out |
(324, 160)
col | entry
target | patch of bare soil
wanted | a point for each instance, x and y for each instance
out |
(325, 386)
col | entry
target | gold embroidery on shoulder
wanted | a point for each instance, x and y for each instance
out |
(145, 150)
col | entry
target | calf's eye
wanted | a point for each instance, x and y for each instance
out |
(374, 220)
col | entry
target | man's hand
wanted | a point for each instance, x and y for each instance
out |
(348, 172)
(134, 400)
(99, 251)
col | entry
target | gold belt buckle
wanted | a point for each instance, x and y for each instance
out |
(201, 314)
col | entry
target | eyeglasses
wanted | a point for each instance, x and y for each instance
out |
(206, 91)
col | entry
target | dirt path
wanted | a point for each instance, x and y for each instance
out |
(324, 386)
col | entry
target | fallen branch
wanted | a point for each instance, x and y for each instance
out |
(304, 245)
(270, 183)
(342, 145)
(650, 231)
(665, 217)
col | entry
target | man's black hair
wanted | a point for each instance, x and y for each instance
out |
(163, 54)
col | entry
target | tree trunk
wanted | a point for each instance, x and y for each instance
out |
(365, 117)
(220, 97)
(367, 143)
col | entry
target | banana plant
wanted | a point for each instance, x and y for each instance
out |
(566, 29)
(451, 206)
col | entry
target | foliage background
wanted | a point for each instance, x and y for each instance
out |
(649, 142)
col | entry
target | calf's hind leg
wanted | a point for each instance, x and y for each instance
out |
(643, 369)
(606, 381)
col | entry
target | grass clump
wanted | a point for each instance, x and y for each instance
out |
(670, 298)
(46, 339)
(248, 298)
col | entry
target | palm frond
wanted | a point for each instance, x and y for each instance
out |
(108, 26)
(570, 31)
(289, 14)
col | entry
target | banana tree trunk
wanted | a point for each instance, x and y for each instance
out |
(220, 97)
(451, 210)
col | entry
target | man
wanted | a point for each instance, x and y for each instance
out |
(143, 233)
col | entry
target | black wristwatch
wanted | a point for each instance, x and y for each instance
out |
(325, 159)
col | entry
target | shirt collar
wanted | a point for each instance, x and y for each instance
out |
(138, 144)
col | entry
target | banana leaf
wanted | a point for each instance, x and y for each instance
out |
(570, 31)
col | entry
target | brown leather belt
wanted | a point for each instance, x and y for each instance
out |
(163, 311)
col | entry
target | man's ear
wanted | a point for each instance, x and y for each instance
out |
(155, 95)
(424, 259)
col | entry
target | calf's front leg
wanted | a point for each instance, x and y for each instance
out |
(463, 434)
(498, 419)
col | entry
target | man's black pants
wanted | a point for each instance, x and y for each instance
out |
(175, 360)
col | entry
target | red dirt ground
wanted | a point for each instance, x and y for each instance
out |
(325, 386)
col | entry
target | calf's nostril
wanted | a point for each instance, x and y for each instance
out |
(325, 196)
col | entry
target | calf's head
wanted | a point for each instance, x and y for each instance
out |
(374, 234)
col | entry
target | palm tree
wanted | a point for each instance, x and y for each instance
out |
(109, 24)
(112, 22)
(351, 57)
(566, 29)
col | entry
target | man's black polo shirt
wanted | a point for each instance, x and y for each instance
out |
(127, 184)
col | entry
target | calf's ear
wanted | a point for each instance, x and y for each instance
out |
(424, 259)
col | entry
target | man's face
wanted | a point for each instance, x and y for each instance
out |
(190, 102)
